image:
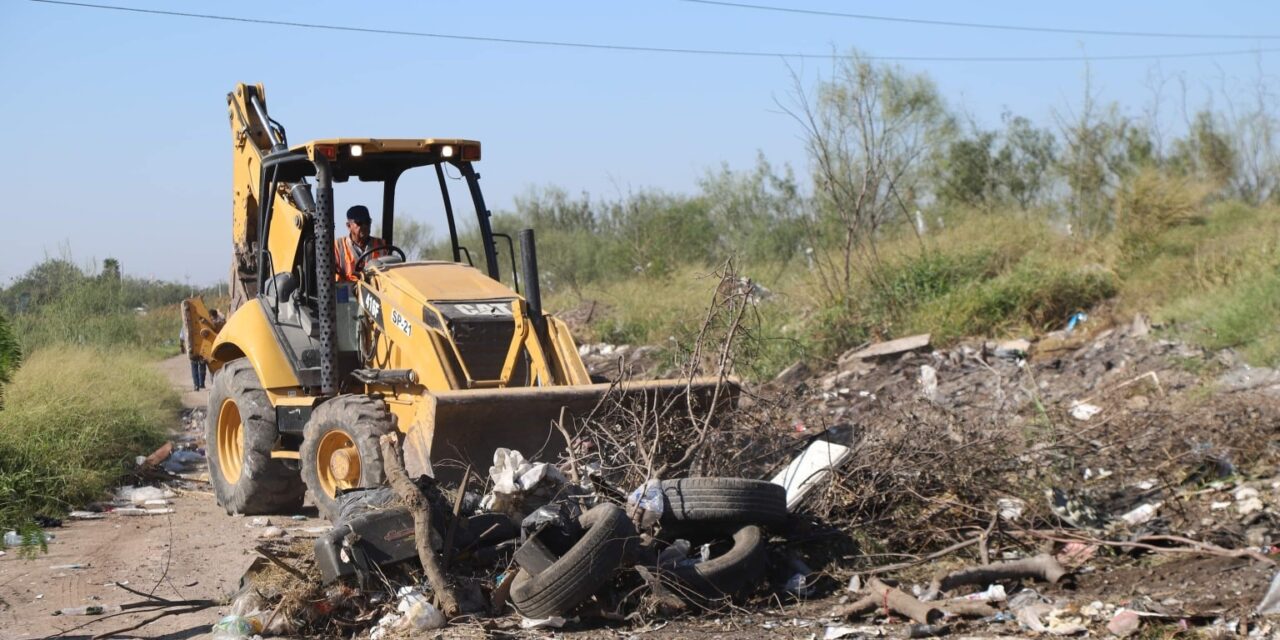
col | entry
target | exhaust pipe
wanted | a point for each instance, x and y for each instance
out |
(532, 291)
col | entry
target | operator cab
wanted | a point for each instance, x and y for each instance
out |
(304, 176)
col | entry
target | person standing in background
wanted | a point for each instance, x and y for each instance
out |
(198, 366)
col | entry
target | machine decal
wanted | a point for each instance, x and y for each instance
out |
(373, 305)
(485, 309)
(402, 322)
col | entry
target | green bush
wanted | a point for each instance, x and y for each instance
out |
(74, 420)
(57, 302)
(899, 287)
(1037, 294)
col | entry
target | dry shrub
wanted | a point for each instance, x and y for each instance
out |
(633, 440)
(1151, 202)
(919, 478)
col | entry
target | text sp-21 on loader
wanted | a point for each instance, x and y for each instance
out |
(311, 371)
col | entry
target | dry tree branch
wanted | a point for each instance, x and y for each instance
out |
(400, 483)
(1043, 568)
(1194, 547)
(884, 596)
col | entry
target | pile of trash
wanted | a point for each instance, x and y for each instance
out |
(1099, 480)
(557, 551)
(1089, 482)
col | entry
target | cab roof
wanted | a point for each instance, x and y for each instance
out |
(373, 159)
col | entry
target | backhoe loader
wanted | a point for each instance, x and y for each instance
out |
(309, 370)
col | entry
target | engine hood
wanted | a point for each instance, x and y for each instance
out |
(443, 281)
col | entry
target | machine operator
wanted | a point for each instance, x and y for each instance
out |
(358, 240)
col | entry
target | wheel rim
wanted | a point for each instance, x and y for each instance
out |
(337, 463)
(230, 441)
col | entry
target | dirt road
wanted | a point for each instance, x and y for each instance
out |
(198, 552)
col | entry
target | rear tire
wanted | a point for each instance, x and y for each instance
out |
(240, 433)
(340, 448)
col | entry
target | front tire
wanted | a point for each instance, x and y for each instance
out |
(340, 448)
(240, 433)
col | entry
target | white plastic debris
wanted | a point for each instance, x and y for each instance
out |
(1248, 506)
(810, 468)
(1245, 493)
(138, 511)
(414, 612)
(929, 382)
(1271, 601)
(993, 593)
(1142, 513)
(1083, 411)
(1096, 474)
(140, 495)
(272, 532)
(834, 632)
(1010, 509)
(258, 522)
(647, 497)
(420, 615)
(514, 477)
(86, 515)
(554, 622)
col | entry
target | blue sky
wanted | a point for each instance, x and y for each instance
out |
(118, 143)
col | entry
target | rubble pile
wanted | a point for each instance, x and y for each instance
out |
(1142, 465)
(1100, 481)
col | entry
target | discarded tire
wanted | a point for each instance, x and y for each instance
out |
(241, 432)
(580, 572)
(340, 448)
(722, 503)
(735, 573)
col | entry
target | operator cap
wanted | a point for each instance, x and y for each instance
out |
(359, 214)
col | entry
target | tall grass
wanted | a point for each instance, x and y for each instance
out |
(86, 399)
(75, 417)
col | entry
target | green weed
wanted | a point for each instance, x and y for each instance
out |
(74, 419)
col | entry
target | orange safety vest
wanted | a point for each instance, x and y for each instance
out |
(345, 254)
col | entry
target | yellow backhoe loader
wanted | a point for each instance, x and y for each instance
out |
(310, 371)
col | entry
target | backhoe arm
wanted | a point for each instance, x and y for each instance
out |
(254, 135)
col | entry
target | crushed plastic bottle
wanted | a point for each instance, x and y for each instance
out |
(234, 627)
(646, 502)
(14, 539)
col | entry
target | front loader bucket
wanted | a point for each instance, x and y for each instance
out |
(464, 427)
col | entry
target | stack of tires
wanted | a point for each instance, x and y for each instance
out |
(729, 515)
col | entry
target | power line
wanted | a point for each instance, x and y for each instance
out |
(644, 49)
(984, 25)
